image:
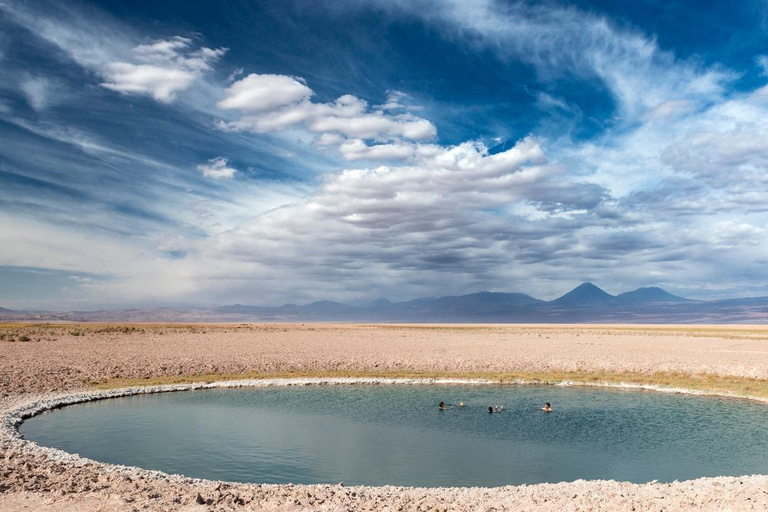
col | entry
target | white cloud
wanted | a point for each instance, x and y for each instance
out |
(729, 234)
(164, 50)
(397, 100)
(328, 139)
(275, 102)
(37, 91)
(264, 92)
(163, 69)
(217, 168)
(160, 83)
(356, 149)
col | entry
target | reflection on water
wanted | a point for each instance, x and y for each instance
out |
(378, 435)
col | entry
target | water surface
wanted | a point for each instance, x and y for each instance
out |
(377, 435)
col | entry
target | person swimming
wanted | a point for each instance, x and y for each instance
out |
(442, 406)
(498, 408)
(547, 407)
(490, 410)
(461, 404)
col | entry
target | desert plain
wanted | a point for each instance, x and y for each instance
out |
(43, 362)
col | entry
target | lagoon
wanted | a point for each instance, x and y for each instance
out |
(395, 434)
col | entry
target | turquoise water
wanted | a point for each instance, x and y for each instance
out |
(377, 435)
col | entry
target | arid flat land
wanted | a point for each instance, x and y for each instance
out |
(40, 360)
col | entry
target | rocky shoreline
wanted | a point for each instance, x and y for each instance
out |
(62, 477)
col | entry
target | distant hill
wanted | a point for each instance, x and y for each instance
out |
(478, 300)
(651, 294)
(585, 303)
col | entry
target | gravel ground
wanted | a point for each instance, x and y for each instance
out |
(57, 361)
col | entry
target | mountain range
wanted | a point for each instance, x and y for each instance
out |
(586, 303)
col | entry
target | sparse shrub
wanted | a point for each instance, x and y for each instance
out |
(23, 337)
(75, 333)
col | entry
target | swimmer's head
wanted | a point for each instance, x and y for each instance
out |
(490, 409)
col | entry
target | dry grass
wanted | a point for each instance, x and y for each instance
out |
(711, 383)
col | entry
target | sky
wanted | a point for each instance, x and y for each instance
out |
(188, 153)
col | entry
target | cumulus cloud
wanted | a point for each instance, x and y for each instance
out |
(160, 83)
(161, 69)
(217, 168)
(264, 92)
(276, 102)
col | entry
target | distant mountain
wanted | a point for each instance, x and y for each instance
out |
(650, 294)
(326, 306)
(238, 309)
(585, 303)
(585, 295)
(483, 299)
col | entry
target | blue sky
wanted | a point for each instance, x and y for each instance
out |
(180, 153)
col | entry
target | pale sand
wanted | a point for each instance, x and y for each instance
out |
(36, 480)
